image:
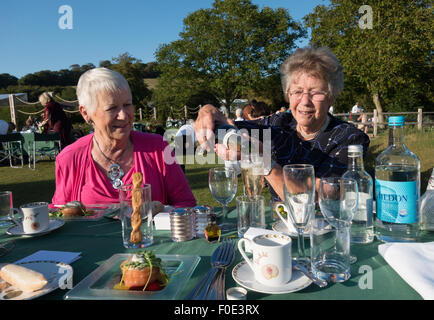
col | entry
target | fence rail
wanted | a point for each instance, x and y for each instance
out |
(372, 119)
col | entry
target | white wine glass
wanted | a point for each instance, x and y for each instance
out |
(299, 191)
(223, 184)
(252, 173)
(338, 200)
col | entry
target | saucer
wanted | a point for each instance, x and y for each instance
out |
(18, 230)
(244, 276)
(280, 226)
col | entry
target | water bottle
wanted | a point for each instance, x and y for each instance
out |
(362, 227)
(427, 206)
(397, 188)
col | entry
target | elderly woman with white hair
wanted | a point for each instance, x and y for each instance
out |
(312, 79)
(92, 169)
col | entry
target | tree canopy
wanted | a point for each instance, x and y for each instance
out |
(391, 60)
(226, 51)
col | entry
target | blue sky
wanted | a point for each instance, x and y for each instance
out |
(31, 39)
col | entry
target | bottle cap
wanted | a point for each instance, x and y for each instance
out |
(355, 148)
(236, 293)
(396, 121)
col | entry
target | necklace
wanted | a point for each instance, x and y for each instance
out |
(310, 136)
(115, 172)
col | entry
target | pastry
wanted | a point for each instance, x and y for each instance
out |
(25, 279)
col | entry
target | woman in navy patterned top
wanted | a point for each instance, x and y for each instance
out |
(312, 79)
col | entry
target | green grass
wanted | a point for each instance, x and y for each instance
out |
(38, 185)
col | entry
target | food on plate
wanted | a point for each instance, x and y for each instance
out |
(25, 279)
(143, 271)
(72, 209)
(157, 207)
(136, 201)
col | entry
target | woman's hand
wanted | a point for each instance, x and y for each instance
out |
(208, 117)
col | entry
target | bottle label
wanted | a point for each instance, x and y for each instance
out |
(396, 201)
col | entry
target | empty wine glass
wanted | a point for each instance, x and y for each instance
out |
(223, 183)
(299, 191)
(338, 200)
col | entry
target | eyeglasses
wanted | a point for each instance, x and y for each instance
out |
(316, 96)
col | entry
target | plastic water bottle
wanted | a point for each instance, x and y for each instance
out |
(362, 227)
(427, 206)
(397, 188)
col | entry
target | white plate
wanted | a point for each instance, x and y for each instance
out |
(244, 276)
(18, 230)
(52, 271)
(280, 226)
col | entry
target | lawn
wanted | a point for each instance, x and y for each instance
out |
(38, 185)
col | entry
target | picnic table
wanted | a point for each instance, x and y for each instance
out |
(99, 240)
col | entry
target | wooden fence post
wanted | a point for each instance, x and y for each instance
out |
(419, 119)
(12, 106)
(155, 113)
(375, 122)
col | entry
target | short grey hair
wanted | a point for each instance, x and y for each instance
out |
(96, 80)
(317, 62)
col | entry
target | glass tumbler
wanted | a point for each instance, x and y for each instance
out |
(136, 216)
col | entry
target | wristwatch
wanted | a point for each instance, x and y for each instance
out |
(267, 169)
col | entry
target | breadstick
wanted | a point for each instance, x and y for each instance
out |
(136, 216)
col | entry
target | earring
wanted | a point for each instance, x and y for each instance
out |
(90, 122)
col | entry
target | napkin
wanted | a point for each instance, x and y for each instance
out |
(414, 262)
(58, 256)
(162, 219)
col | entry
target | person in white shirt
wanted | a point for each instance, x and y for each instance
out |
(356, 108)
(238, 113)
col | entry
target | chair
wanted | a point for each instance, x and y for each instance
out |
(43, 145)
(12, 149)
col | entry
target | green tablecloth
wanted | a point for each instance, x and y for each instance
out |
(99, 240)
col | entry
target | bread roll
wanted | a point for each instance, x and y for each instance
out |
(25, 279)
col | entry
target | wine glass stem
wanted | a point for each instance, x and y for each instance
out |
(225, 212)
(300, 243)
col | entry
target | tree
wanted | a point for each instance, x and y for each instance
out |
(7, 80)
(225, 50)
(392, 56)
(131, 69)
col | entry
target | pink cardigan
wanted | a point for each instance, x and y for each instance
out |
(78, 177)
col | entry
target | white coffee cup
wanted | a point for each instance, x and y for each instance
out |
(271, 264)
(35, 217)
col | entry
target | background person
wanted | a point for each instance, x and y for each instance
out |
(84, 169)
(55, 119)
(6, 127)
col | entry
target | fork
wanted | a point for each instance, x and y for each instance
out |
(216, 290)
(216, 256)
